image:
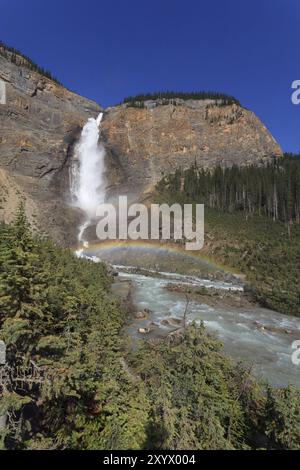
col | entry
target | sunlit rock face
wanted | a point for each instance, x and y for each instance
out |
(39, 124)
(157, 139)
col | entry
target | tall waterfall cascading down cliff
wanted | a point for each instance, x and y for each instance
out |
(88, 174)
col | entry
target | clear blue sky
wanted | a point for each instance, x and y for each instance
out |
(110, 49)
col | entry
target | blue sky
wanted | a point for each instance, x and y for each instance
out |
(106, 50)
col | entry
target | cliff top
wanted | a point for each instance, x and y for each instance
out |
(16, 57)
(167, 97)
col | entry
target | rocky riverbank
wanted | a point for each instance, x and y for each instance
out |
(214, 297)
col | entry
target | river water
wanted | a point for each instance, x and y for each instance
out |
(267, 352)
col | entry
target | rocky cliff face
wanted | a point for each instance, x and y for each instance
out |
(40, 122)
(156, 139)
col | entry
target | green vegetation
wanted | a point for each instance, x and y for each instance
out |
(168, 97)
(261, 249)
(70, 382)
(251, 224)
(272, 190)
(200, 400)
(64, 384)
(16, 57)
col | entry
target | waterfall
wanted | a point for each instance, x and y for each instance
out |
(87, 173)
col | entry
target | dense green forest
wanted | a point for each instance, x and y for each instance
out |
(251, 223)
(12, 54)
(72, 381)
(64, 385)
(168, 96)
(198, 399)
(272, 190)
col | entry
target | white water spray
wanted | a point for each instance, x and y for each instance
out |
(87, 178)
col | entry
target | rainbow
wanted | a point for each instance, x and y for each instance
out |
(115, 246)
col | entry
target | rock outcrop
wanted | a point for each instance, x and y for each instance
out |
(40, 122)
(153, 141)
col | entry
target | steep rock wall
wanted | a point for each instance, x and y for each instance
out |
(157, 139)
(39, 123)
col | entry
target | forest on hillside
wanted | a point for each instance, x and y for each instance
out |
(252, 217)
(71, 381)
(272, 190)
